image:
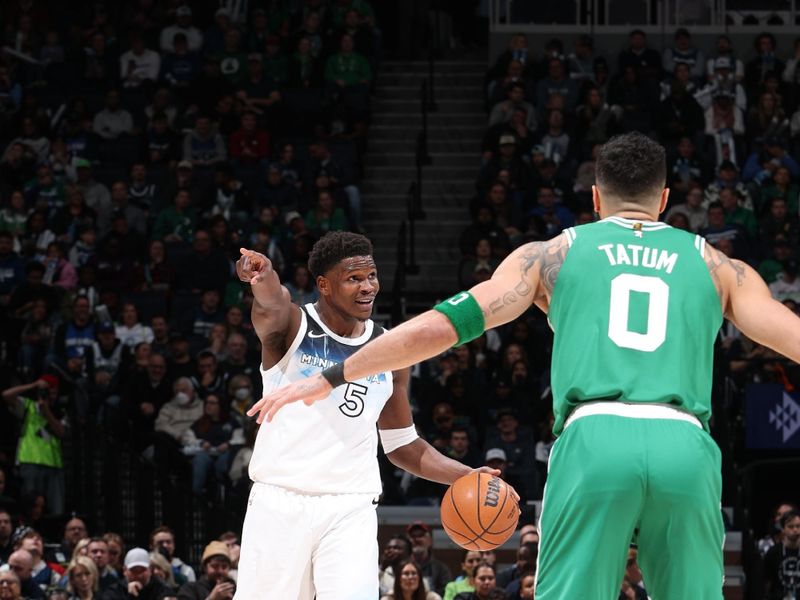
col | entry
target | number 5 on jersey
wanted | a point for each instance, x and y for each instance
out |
(619, 313)
(353, 404)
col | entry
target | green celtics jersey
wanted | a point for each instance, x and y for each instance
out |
(634, 313)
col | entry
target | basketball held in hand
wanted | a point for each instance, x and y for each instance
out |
(479, 512)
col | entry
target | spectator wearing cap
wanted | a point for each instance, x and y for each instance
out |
(434, 572)
(203, 146)
(724, 49)
(722, 79)
(684, 52)
(215, 582)
(503, 112)
(177, 223)
(139, 65)
(39, 448)
(183, 24)
(139, 582)
(517, 443)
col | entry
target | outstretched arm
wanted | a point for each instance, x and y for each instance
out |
(747, 302)
(525, 277)
(272, 306)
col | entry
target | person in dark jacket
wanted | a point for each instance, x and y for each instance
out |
(215, 582)
(139, 582)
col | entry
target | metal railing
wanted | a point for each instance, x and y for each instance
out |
(608, 16)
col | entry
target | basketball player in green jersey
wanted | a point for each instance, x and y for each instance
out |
(635, 306)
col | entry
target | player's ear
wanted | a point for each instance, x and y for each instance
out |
(323, 285)
(664, 199)
(596, 199)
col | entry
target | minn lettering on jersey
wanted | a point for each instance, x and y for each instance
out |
(314, 360)
(637, 255)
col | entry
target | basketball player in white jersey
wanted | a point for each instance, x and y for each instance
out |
(311, 528)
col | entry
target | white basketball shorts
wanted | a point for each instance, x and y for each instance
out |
(300, 546)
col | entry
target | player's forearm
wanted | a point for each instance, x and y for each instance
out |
(419, 339)
(423, 460)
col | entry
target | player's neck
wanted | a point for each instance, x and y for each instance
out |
(340, 324)
(637, 215)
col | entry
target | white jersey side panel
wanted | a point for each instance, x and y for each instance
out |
(331, 446)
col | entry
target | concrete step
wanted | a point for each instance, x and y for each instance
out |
(464, 188)
(435, 172)
(440, 159)
(440, 79)
(397, 129)
(411, 92)
(435, 146)
(436, 207)
(414, 120)
(450, 106)
(439, 66)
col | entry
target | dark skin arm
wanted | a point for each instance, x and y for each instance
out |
(275, 318)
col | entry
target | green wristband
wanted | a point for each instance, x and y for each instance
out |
(465, 314)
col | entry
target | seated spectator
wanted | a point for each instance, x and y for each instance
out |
(36, 145)
(580, 62)
(460, 448)
(95, 194)
(209, 378)
(276, 65)
(777, 221)
(216, 564)
(777, 577)
(597, 120)
(433, 571)
(313, 30)
(162, 102)
(787, 285)
(636, 95)
(205, 268)
(97, 551)
(181, 65)
(130, 332)
(527, 554)
(724, 49)
(691, 208)
(767, 119)
(45, 574)
(480, 260)
(763, 163)
(228, 199)
(139, 582)
(727, 177)
(555, 140)
(484, 581)
(781, 187)
(161, 569)
(258, 90)
(684, 53)
(347, 69)
(556, 217)
(305, 69)
(485, 227)
(517, 443)
(139, 65)
(176, 223)
(206, 315)
(143, 396)
(556, 82)
(99, 62)
(679, 115)
(409, 585)
(645, 61)
(722, 80)
(763, 64)
(163, 144)
(20, 564)
(325, 216)
(45, 192)
(717, 229)
(183, 25)
(464, 582)
(208, 441)
(502, 112)
(14, 216)
(301, 287)
(735, 214)
(173, 420)
(202, 146)
(363, 38)
(323, 163)
(249, 145)
(84, 249)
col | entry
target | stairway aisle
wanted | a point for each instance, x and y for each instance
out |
(454, 135)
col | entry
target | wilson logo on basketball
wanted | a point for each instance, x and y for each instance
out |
(492, 492)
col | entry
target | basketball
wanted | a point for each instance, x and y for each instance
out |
(479, 512)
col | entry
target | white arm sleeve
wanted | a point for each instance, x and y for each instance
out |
(392, 439)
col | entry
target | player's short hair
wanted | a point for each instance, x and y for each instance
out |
(631, 166)
(335, 246)
(788, 516)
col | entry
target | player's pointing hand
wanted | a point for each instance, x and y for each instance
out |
(308, 390)
(251, 265)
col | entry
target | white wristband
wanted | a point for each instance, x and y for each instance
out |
(392, 439)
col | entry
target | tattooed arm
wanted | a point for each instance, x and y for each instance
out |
(525, 277)
(747, 302)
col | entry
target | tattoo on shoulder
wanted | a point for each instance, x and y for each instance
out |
(547, 257)
(718, 262)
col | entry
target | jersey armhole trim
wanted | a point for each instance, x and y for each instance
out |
(298, 338)
(700, 244)
(571, 235)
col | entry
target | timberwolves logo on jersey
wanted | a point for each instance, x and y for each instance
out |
(318, 350)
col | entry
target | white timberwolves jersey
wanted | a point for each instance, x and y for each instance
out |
(331, 446)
